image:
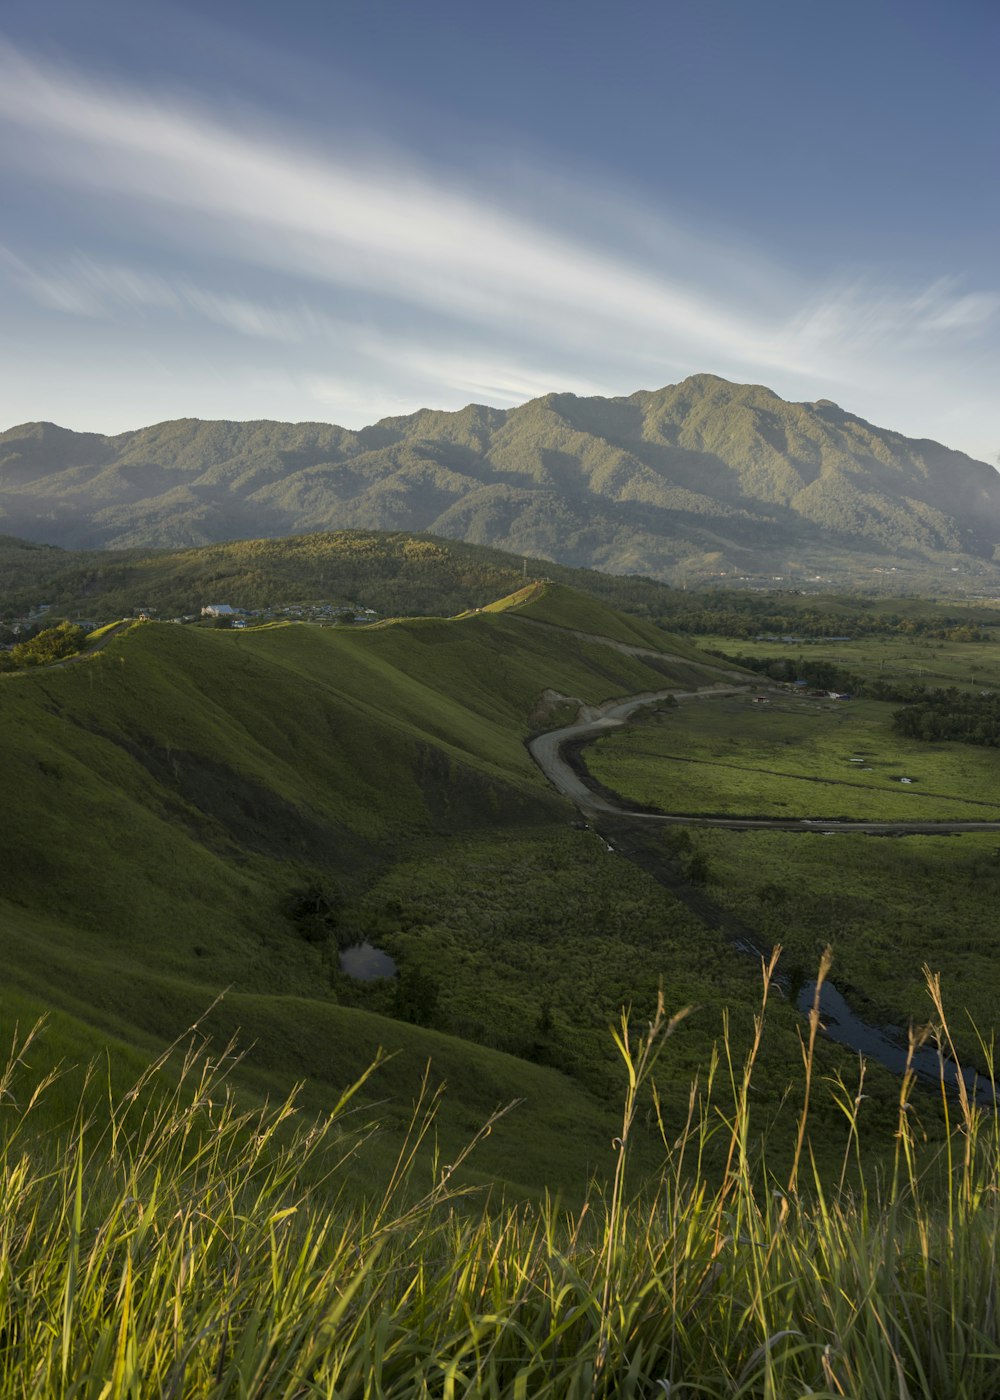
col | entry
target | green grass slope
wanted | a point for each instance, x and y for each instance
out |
(177, 792)
(560, 606)
(191, 1246)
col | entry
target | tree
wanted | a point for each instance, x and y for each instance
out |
(416, 998)
(315, 912)
(54, 644)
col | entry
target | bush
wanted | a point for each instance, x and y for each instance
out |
(54, 644)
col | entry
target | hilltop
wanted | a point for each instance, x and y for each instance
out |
(395, 574)
(691, 481)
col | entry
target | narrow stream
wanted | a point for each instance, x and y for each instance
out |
(888, 1045)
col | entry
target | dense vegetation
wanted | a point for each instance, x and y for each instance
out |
(884, 905)
(824, 674)
(51, 644)
(199, 810)
(395, 574)
(204, 811)
(691, 482)
(802, 617)
(952, 714)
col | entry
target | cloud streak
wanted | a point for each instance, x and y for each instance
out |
(355, 245)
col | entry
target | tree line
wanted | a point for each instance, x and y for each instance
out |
(950, 713)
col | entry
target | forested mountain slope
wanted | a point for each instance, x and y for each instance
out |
(693, 479)
(395, 573)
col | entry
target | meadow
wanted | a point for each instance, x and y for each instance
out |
(456, 1182)
(885, 905)
(889, 655)
(795, 757)
(182, 792)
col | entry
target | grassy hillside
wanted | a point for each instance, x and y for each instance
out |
(192, 1245)
(567, 607)
(198, 820)
(186, 796)
(687, 482)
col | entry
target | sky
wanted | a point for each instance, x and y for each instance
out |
(340, 210)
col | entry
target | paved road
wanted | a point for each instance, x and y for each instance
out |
(883, 1043)
(547, 751)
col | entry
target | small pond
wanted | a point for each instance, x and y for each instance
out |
(365, 963)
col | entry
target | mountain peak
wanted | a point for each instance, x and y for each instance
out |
(689, 481)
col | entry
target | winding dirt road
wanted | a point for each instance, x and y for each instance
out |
(548, 752)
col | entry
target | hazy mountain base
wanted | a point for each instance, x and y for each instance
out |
(690, 481)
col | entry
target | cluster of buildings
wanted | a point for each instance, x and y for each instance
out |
(19, 629)
(293, 612)
(22, 628)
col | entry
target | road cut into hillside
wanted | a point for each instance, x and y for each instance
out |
(549, 750)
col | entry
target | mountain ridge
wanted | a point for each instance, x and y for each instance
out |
(698, 478)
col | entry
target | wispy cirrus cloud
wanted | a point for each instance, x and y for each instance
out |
(409, 273)
(87, 287)
(384, 228)
(859, 315)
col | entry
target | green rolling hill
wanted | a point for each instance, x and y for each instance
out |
(198, 811)
(396, 574)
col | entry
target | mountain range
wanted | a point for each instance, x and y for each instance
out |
(699, 479)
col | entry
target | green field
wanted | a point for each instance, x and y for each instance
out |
(885, 905)
(200, 820)
(795, 757)
(182, 791)
(887, 656)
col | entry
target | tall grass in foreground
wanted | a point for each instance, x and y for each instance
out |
(179, 1247)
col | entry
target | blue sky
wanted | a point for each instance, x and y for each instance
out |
(345, 210)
